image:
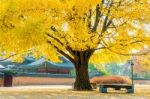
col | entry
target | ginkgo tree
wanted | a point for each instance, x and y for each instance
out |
(81, 30)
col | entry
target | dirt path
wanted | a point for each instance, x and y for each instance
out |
(65, 92)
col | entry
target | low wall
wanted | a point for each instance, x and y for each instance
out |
(41, 81)
(146, 82)
(24, 80)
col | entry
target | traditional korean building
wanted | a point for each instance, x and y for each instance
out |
(43, 66)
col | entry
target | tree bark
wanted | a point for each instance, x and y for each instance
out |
(82, 81)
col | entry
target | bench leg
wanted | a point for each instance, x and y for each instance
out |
(130, 90)
(103, 89)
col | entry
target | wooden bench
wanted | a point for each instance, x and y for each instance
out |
(103, 88)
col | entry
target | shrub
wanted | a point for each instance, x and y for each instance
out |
(110, 80)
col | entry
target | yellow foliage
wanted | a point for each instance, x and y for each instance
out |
(51, 26)
(105, 56)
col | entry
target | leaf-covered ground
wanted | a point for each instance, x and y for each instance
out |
(65, 92)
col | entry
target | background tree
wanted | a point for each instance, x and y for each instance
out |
(81, 30)
(142, 63)
(142, 66)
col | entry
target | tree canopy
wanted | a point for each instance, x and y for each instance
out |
(46, 27)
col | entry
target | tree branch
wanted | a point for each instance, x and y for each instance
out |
(13, 55)
(8, 57)
(98, 13)
(106, 22)
(56, 39)
(61, 52)
(132, 54)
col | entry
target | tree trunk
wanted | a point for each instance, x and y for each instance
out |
(82, 77)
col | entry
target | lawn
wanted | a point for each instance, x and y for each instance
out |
(65, 92)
